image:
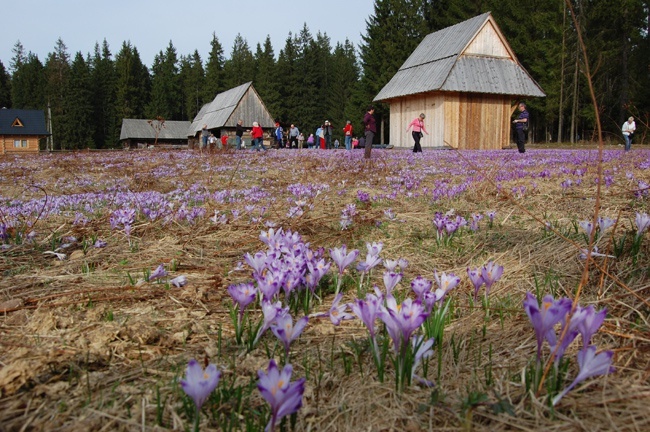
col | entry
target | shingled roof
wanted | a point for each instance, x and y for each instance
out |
(141, 129)
(442, 63)
(22, 122)
(219, 113)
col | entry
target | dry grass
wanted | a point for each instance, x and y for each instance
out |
(84, 349)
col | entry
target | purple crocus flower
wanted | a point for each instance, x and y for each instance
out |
(587, 227)
(285, 330)
(270, 312)
(420, 286)
(402, 320)
(100, 244)
(545, 318)
(491, 273)
(477, 280)
(391, 280)
(374, 248)
(370, 262)
(642, 221)
(605, 223)
(269, 284)
(591, 364)
(368, 310)
(590, 324)
(342, 258)
(284, 397)
(337, 313)
(242, 294)
(158, 273)
(446, 282)
(179, 281)
(257, 262)
(199, 383)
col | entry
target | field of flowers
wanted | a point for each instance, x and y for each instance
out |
(310, 290)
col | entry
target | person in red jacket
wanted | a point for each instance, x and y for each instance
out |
(347, 131)
(257, 133)
(224, 141)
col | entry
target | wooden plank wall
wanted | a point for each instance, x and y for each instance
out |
(250, 109)
(404, 110)
(477, 121)
(8, 144)
(488, 43)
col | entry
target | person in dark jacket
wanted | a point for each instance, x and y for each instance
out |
(521, 127)
(371, 130)
(239, 132)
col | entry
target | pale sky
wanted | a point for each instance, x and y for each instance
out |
(150, 25)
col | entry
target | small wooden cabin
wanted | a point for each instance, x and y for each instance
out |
(21, 130)
(222, 114)
(138, 133)
(465, 79)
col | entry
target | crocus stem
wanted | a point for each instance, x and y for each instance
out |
(196, 419)
(339, 280)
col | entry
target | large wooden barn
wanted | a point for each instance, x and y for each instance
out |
(137, 133)
(21, 130)
(222, 114)
(466, 80)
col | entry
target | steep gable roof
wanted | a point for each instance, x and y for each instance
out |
(453, 59)
(142, 129)
(219, 112)
(22, 122)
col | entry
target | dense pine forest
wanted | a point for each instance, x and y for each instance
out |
(312, 78)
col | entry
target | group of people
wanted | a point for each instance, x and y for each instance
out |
(323, 137)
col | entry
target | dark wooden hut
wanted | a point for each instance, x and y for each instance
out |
(222, 114)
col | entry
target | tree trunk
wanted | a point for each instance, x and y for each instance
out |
(560, 125)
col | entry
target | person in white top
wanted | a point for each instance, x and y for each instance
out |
(628, 131)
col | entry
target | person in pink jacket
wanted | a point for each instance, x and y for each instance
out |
(418, 127)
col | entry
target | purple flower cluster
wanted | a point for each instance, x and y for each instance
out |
(583, 321)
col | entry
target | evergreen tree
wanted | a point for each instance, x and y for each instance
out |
(57, 70)
(344, 77)
(266, 76)
(77, 124)
(27, 80)
(192, 81)
(103, 80)
(165, 87)
(240, 67)
(289, 84)
(5, 87)
(392, 33)
(214, 78)
(132, 84)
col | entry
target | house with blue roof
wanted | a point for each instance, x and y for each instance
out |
(21, 130)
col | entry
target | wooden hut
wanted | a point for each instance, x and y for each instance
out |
(137, 133)
(21, 130)
(465, 79)
(222, 114)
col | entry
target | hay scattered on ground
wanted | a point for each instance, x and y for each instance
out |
(85, 346)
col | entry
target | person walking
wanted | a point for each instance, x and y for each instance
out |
(628, 132)
(205, 134)
(418, 126)
(301, 140)
(257, 133)
(239, 132)
(347, 131)
(521, 127)
(371, 129)
(327, 132)
(294, 132)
